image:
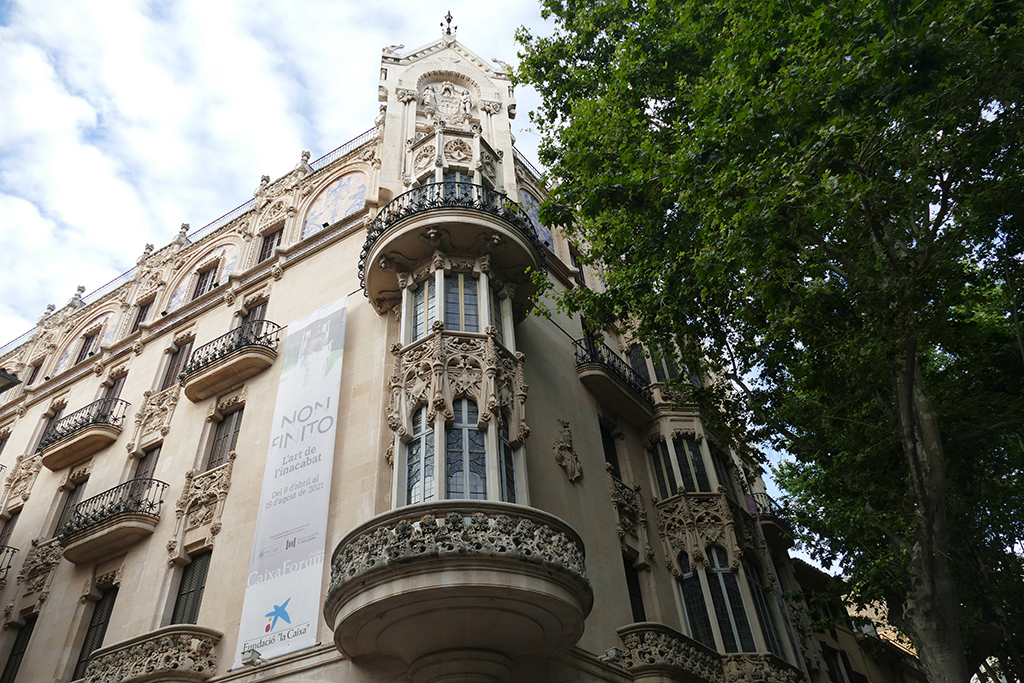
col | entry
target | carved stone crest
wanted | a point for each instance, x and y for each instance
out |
(22, 477)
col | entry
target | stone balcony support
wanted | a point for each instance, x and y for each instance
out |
(180, 653)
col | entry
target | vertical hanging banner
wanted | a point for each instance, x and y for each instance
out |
(282, 596)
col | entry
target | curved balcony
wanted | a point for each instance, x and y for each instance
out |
(6, 558)
(774, 520)
(180, 653)
(104, 525)
(230, 359)
(613, 381)
(75, 437)
(658, 652)
(457, 218)
(458, 583)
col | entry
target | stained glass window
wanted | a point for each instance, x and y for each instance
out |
(728, 602)
(465, 454)
(419, 475)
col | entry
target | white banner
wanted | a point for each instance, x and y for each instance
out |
(282, 596)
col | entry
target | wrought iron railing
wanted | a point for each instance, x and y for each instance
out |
(769, 507)
(6, 558)
(254, 333)
(107, 411)
(448, 195)
(134, 497)
(593, 351)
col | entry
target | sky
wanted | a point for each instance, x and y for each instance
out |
(122, 119)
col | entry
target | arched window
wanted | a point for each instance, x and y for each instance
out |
(461, 302)
(465, 454)
(728, 601)
(424, 308)
(765, 615)
(693, 604)
(419, 473)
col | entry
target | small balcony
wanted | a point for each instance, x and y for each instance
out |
(660, 653)
(229, 360)
(179, 653)
(457, 583)
(455, 218)
(614, 383)
(105, 525)
(75, 437)
(774, 519)
(6, 558)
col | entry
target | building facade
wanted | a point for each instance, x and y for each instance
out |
(323, 439)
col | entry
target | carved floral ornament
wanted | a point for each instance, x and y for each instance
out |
(628, 506)
(20, 480)
(690, 522)
(445, 366)
(182, 651)
(201, 504)
(40, 561)
(656, 649)
(154, 416)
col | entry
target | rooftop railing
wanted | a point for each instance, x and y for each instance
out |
(448, 195)
(255, 333)
(592, 351)
(133, 497)
(106, 411)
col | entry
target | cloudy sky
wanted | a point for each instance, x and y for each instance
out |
(122, 119)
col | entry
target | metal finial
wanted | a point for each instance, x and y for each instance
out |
(448, 31)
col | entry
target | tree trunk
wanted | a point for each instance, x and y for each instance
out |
(931, 614)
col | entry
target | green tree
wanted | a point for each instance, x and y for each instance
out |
(823, 196)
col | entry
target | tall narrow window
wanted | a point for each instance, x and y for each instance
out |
(146, 466)
(638, 362)
(71, 500)
(663, 472)
(141, 315)
(256, 313)
(205, 282)
(611, 454)
(636, 598)
(693, 603)
(691, 465)
(8, 528)
(177, 363)
(34, 374)
(419, 477)
(721, 471)
(3, 443)
(113, 389)
(664, 368)
(465, 454)
(424, 308)
(461, 305)
(728, 602)
(575, 260)
(88, 342)
(50, 422)
(225, 438)
(763, 608)
(190, 590)
(97, 629)
(18, 651)
(271, 241)
(507, 466)
(497, 320)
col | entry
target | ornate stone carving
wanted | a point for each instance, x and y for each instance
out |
(226, 404)
(491, 107)
(656, 649)
(154, 415)
(565, 454)
(760, 668)
(424, 158)
(458, 151)
(20, 480)
(405, 96)
(40, 561)
(629, 507)
(446, 365)
(201, 503)
(691, 522)
(468, 531)
(183, 652)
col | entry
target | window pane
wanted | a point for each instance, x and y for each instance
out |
(679, 446)
(97, 629)
(177, 363)
(451, 302)
(638, 362)
(141, 315)
(18, 651)
(697, 459)
(190, 591)
(728, 602)
(717, 460)
(225, 439)
(8, 528)
(417, 311)
(670, 476)
(636, 598)
(508, 467)
(453, 462)
(496, 319)
(257, 312)
(693, 604)
(477, 464)
(147, 464)
(471, 308)
(114, 390)
(765, 616)
(611, 455)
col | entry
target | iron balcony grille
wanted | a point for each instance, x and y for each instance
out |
(769, 507)
(106, 411)
(592, 351)
(448, 195)
(253, 333)
(6, 558)
(134, 497)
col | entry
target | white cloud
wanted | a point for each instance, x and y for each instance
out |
(124, 118)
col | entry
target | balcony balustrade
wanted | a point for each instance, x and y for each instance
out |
(230, 359)
(463, 584)
(180, 653)
(774, 519)
(6, 558)
(613, 381)
(106, 524)
(75, 437)
(456, 218)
